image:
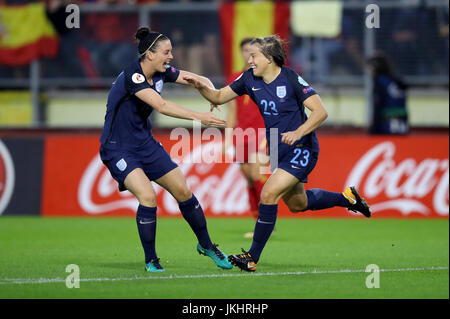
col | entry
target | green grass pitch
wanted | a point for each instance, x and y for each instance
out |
(305, 258)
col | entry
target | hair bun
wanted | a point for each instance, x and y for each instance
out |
(142, 32)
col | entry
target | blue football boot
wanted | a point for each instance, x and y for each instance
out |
(216, 255)
(154, 266)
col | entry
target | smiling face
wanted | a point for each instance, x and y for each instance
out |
(161, 57)
(257, 61)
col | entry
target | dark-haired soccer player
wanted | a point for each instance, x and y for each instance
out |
(135, 158)
(281, 96)
(244, 116)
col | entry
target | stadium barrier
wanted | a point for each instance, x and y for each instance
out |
(62, 175)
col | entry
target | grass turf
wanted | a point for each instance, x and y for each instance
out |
(110, 258)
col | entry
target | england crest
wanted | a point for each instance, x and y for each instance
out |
(281, 91)
(159, 86)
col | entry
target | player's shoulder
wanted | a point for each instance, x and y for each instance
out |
(171, 73)
(293, 76)
(133, 73)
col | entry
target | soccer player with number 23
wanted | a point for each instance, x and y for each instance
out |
(281, 95)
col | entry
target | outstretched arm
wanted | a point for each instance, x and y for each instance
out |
(215, 96)
(317, 116)
(168, 108)
(202, 79)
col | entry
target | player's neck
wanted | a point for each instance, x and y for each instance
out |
(147, 69)
(271, 73)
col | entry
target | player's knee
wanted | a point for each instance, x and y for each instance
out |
(146, 198)
(297, 207)
(268, 196)
(183, 194)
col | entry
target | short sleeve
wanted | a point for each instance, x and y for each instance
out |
(302, 89)
(238, 86)
(135, 82)
(171, 74)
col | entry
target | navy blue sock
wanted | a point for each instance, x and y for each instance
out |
(263, 229)
(322, 199)
(193, 213)
(146, 223)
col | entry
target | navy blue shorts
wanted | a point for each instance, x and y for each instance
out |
(300, 163)
(155, 163)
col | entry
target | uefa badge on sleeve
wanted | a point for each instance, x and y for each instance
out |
(137, 78)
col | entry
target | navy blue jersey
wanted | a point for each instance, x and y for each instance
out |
(281, 105)
(390, 114)
(127, 124)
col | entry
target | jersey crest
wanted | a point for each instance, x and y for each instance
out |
(281, 91)
(159, 86)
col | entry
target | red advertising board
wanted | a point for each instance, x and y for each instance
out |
(399, 176)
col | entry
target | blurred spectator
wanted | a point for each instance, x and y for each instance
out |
(109, 38)
(194, 38)
(443, 26)
(67, 63)
(413, 41)
(389, 113)
(340, 55)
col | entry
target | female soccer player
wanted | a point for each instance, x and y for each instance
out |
(134, 157)
(281, 95)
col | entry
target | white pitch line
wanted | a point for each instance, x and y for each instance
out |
(21, 281)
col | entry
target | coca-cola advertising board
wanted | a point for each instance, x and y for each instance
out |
(20, 175)
(399, 177)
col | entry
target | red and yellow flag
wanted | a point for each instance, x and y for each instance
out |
(250, 19)
(26, 34)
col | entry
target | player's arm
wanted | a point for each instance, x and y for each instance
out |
(317, 116)
(222, 96)
(169, 108)
(202, 79)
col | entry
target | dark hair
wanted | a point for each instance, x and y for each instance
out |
(272, 47)
(148, 40)
(380, 64)
(245, 41)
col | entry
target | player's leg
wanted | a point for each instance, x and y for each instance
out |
(299, 200)
(140, 186)
(246, 170)
(253, 198)
(175, 183)
(316, 199)
(256, 181)
(276, 186)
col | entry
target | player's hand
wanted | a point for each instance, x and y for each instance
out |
(290, 137)
(194, 82)
(214, 106)
(212, 120)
